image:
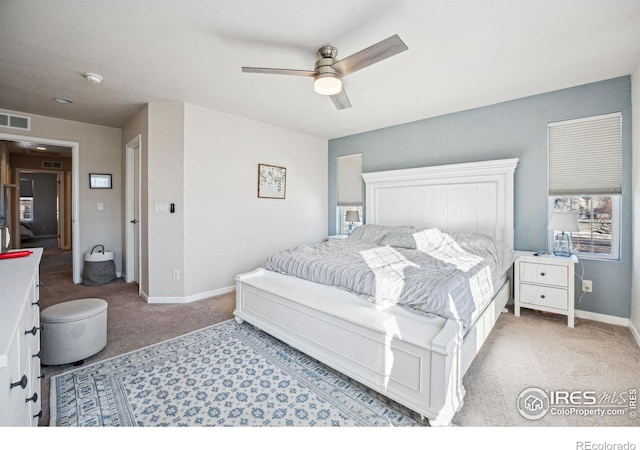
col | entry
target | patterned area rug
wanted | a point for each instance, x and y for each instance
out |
(224, 375)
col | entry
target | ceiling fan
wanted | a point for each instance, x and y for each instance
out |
(328, 72)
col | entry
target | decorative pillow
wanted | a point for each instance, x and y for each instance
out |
(373, 233)
(399, 240)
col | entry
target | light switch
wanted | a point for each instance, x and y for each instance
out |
(100, 206)
(161, 208)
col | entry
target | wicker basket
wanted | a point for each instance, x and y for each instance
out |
(99, 267)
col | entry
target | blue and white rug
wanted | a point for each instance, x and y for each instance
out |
(224, 375)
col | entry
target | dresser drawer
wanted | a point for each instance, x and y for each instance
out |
(543, 296)
(12, 399)
(544, 274)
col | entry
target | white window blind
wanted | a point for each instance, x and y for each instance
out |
(585, 156)
(350, 180)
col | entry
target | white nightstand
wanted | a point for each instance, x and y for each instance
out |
(338, 236)
(545, 283)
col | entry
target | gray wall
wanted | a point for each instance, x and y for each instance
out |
(518, 129)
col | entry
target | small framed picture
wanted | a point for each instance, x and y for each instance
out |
(100, 180)
(272, 181)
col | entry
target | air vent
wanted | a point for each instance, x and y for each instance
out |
(12, 121)
(51, 164)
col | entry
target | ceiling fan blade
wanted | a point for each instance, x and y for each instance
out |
(300, 73)
(341, 100)
(371, 55)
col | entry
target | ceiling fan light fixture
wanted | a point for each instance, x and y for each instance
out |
(327, 83)
(328, 72)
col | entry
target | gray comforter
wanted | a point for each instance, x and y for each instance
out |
(428, 271)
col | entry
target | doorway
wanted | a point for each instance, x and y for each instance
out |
(41, 209)
(73, 228)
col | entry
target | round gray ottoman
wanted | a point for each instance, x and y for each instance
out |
(73, 330)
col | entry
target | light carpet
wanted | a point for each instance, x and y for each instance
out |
(227, 374)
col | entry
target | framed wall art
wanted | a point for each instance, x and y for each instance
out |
(100, 180)
(272, 181)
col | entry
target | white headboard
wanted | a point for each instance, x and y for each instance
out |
(472, 197)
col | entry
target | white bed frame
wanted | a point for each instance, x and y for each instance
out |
(415, 360)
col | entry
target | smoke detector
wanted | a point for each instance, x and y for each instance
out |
(93, 78)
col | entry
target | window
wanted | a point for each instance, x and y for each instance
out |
(350, 180)
(585, 178)
(349, 191)
(598, 220)
(26, 209)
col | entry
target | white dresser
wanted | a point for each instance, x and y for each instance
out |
(545, 283)
(20, 340)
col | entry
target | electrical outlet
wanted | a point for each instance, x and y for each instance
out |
(176, 274)
(587, 286)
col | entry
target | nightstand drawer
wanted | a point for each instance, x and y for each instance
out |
(532, 296)
(544, 274)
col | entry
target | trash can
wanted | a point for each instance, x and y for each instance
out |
(99, 267)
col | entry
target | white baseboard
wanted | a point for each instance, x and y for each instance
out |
(605, 318)
(613, 320)
(634, 332)
(190, 298)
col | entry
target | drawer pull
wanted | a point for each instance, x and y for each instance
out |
(36, 303)
(33, 331)
(22, 383)
(542, 274)
(37, 355)
(33, 398)
(542, 296)
(39, 415)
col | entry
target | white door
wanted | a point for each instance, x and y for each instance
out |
(136, 214)
(133, 211)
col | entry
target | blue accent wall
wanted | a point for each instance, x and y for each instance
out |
(513, 129)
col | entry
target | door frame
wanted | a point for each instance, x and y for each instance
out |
(75, 198)
(130, 190)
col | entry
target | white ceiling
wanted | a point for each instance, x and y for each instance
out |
(462, 54)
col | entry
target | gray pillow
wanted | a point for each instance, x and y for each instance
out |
(373, 233)
(400, 240)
